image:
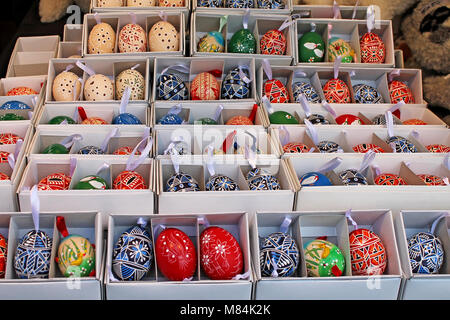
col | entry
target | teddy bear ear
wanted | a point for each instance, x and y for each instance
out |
(432, 21)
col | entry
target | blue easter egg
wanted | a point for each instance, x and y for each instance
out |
(126, 118)
(364, 93)
(270, 4)
(15, 105)
(234, 86)
(171, 87)
(279, 255)
(314, 179)
(91, 150)
(307, 90)
(170, 119)
(209, 3)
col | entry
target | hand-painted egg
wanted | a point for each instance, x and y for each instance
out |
(402, 144)
(282, 117)
(15, 105)
(91, 150)
(365, 147)
(94, 121)
(56, 148)
(279, 255)
(141, 3)
(4, 156)
(373, 49)
(133, 254)
(163, 36)
(438, 148)
(21, 91)
(367, 253)
(234, 86)
(349, 119)
(92, 182)
(381, 120)
(205, 87)
(133, 79)
(239, 4)
(109, 3)
(329, 147)
(414, 122)
(399, 91)
(336, 91)
(221, 182)
(132, 38)
(126, 118)
(213, 41)
(221, 256)
(76, 256)
(275, 91)
(389, 179)
(11, 117)
(311, 48)
(351, 177)
(314, 179)
(66, 86)
(3, 256)
(125, 151)
(340, 47)
(98, 88)
(209, 3)
(171, 87)
(129, 180)
(270, 4)
(259, 179)
(426, 253)
(8, 138)
(432, 180)
(306, 89)
(102, 39)
(175, 254)
(171, 3)
(54, 182)
(317, 119)
(243, 41)
(239, 121)
(182, 182)
(4, 177)
(364, 93)
(32, 257)
(205, 121)
(60, 119)
(273, 42)
(324, 259)
(295, 147)
(170, 119)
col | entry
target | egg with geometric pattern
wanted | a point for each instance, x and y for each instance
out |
(336, 91)
(129, 180)
(389, 179)
(276, 91)
(438, 148)
(205, 87)
(366, 147)
(260, 179)
(234, 85)
(3, 255)
(367, 253)
(32, 256)
(134, 80)
(399, 91)
(426, 253)
(273, 42)
(373, 49)
(279, 255)
(181, 182)
(295, 147)
(55, 182)
(171, 87)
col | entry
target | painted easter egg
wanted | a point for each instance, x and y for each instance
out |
(367, 253)
(329, 147)
(126, 118)
(141, 3)
(21, 91)
(213, 41)
(221, 256)
(4, 156)
(324, 259)
(92, 182)
(132, 38)
(364, 93)
(273, 42)
(340, 47)
(295, 147)
(170, 119)
(221, 182)
(282, 117)
(66, 86)
(125, 151)
(306, 89)
(182, 182)
(176, 255)
(54, 182)
(60, 119)
(426, 253)
(206, 121)
(311, 48)
(76, 256)
(234, 85)
(336, 91)
(275, 91)
(260, 179)
(432, 180)
(279, 255)
(109, 3)
(133, 254)
(317, 119)
(312, 179)
(98, 88)
(438, 148)
(171, 3)
(94, 121)
(32, 256)
(129, 180)
(389, 179)
(399, 91)
(381, 120)
(56, 148)
(3, 256)
(349, 119)
(15, 105)
(239, 121)
(209, 3)
(134, 80)
(414, 122)
(8, 138)
(352, 177)
(205, 87)
(163, 36)
(365, 147)
(11, 117)
(270, 4)
(402, 144)
(373, 49)
(4, 177)
(102, 39)
(239, 4)
(171, 87)
(243, 41)
(91, 150)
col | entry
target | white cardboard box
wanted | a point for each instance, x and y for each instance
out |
(155, 286)
(326, 11)
(253, 10)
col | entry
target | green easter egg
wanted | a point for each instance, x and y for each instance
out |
(59, 119)
(311, 48)
(206, 121)
(243, 41)
(56, 149)
(282, 117)
(92, 182)
(324, 259)
(11, 117)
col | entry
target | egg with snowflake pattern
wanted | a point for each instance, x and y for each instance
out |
(364, 93)
(426, 253)
(15, 105)
(134, 80)
(270, 4)
(239, 3)
(243, 41)
(402, 145)
(221, 182)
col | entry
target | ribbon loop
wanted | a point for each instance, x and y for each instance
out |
(284, 227)
(163, 16)
(329, 108)
(336, 66)
(176, 109)
(223, 22)
(210, 159)
(104, 166)
(394, 73)
(218, 113)
(367, 160)
(141, 222)
(73, 166)
(305, 105)
(175, 158)
(11, 161)
(330, 165)
(275, 268)
(242, 276)
(133, 17)
(125, 100)
(284, 135)
(144, 136)
(336, 11)
(97, 18)
(172, 144)
(111, 134)
(267, 105)
(179, 67)
(35, 207)
(250, 156)
(246, 18)
(312, 131)
(370, 18)
(286, 23)
(242, 74)
(85, 68)
(376, 170)
(70, 140)
(396, 106)
(69, 67)
(131, 166)
(203, 221)
(355, 9)
(389, 123)
(313, 27)
(267, 68)
(348, 215)
(447, 161)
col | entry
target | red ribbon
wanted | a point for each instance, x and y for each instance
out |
(216, 73)
(228, 141)
(61, 225)
(322, 238)
(253, 114)
(82, 113)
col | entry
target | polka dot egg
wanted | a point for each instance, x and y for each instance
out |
(132, 38)
(64, 86)
(99, 88)
(141, 3)
(163, 36)
(171, 3)
(102, 39)
(109, 3)
(133, 79)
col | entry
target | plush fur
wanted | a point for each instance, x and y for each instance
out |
(52, 10)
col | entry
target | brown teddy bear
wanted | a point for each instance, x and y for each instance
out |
(52, 10)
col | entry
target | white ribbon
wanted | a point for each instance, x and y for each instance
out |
(336, 11)
(367, 160)
(312, 132)
(70, 140)
(175, 158)
(131, 166)
(354, 10)
(447, 161)
(104, 166)
(348, 215)
(305, 105)
(242, 74)
(159, 228)
(254, 141)
(144, 136)
(327, 107)
(142, 222)
(284, 135)
(176, 109)
(97, 18)
(11, 161)
(85, 68)
(389, 123)
(267, 104)
(133, 17)
(163, 15)
(35, 207)
(415, 134)
(69, 67)
(337, 65)
(246, 18)
(376, 170)
(275, 267)
(172, 144)
(330, 165)
(242, 276)
(267, 68)
(313, 27)
(286, 23)
(73, 166)
(125, 100)
(210, 159)
(393, 73)
(370, 18)
(396, 106)
(111, 134)
(218, 113)
(182, 68)
(203, 221)
(284, 227)
(135, 66)
(299, 74)
(250, 156)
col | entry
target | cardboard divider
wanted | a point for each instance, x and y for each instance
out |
(70, 50)
(73, 33)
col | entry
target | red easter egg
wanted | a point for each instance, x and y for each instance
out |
(8, 138)
(125, 151)
(400, 91)
(220, 254)
(176, 255)
(276, 91)
(372, 48)
(365, 147)
(273, 42)
(3, 254)
(132, 38)
(205, 87)
(94, 120)
(438, 148)
(336, 91)
(3, 176)
(367, 253)
(349, 119)
(389, 179)
(129, 180)
(432, 180)
(295, 147)
(21, 91)
(414, 122)
(4, 156)
(239, 121)
(56, 181)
